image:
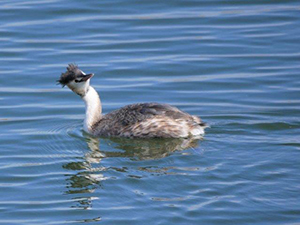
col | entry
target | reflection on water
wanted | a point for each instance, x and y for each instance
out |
(139, 149)
(89, 176)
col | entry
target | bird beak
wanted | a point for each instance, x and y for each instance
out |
(87, 76)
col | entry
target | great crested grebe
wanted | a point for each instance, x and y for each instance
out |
(142, 120)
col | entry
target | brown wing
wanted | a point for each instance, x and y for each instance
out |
(135, 113)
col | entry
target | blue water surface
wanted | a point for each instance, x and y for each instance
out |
(234, 63)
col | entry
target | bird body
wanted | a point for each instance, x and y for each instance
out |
(142, 120)
(148, 120)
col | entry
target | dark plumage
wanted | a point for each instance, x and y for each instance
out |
(72, 72)
(135, 113)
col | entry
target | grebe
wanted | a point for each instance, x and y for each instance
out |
(142, 120)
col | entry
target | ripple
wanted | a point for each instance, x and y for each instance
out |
(26, 4)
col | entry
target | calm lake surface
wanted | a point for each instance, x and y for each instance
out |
(234, 63)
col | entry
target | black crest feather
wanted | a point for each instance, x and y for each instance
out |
(69, 75)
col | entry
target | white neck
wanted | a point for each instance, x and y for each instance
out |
(93, 109)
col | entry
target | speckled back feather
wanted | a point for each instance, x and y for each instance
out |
(147, 120)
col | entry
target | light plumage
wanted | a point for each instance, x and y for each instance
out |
(142, 120)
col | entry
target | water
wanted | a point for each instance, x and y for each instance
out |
(236, 64)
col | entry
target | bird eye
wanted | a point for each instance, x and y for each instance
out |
(77, 81)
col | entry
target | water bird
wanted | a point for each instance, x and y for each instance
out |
(141, 120)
